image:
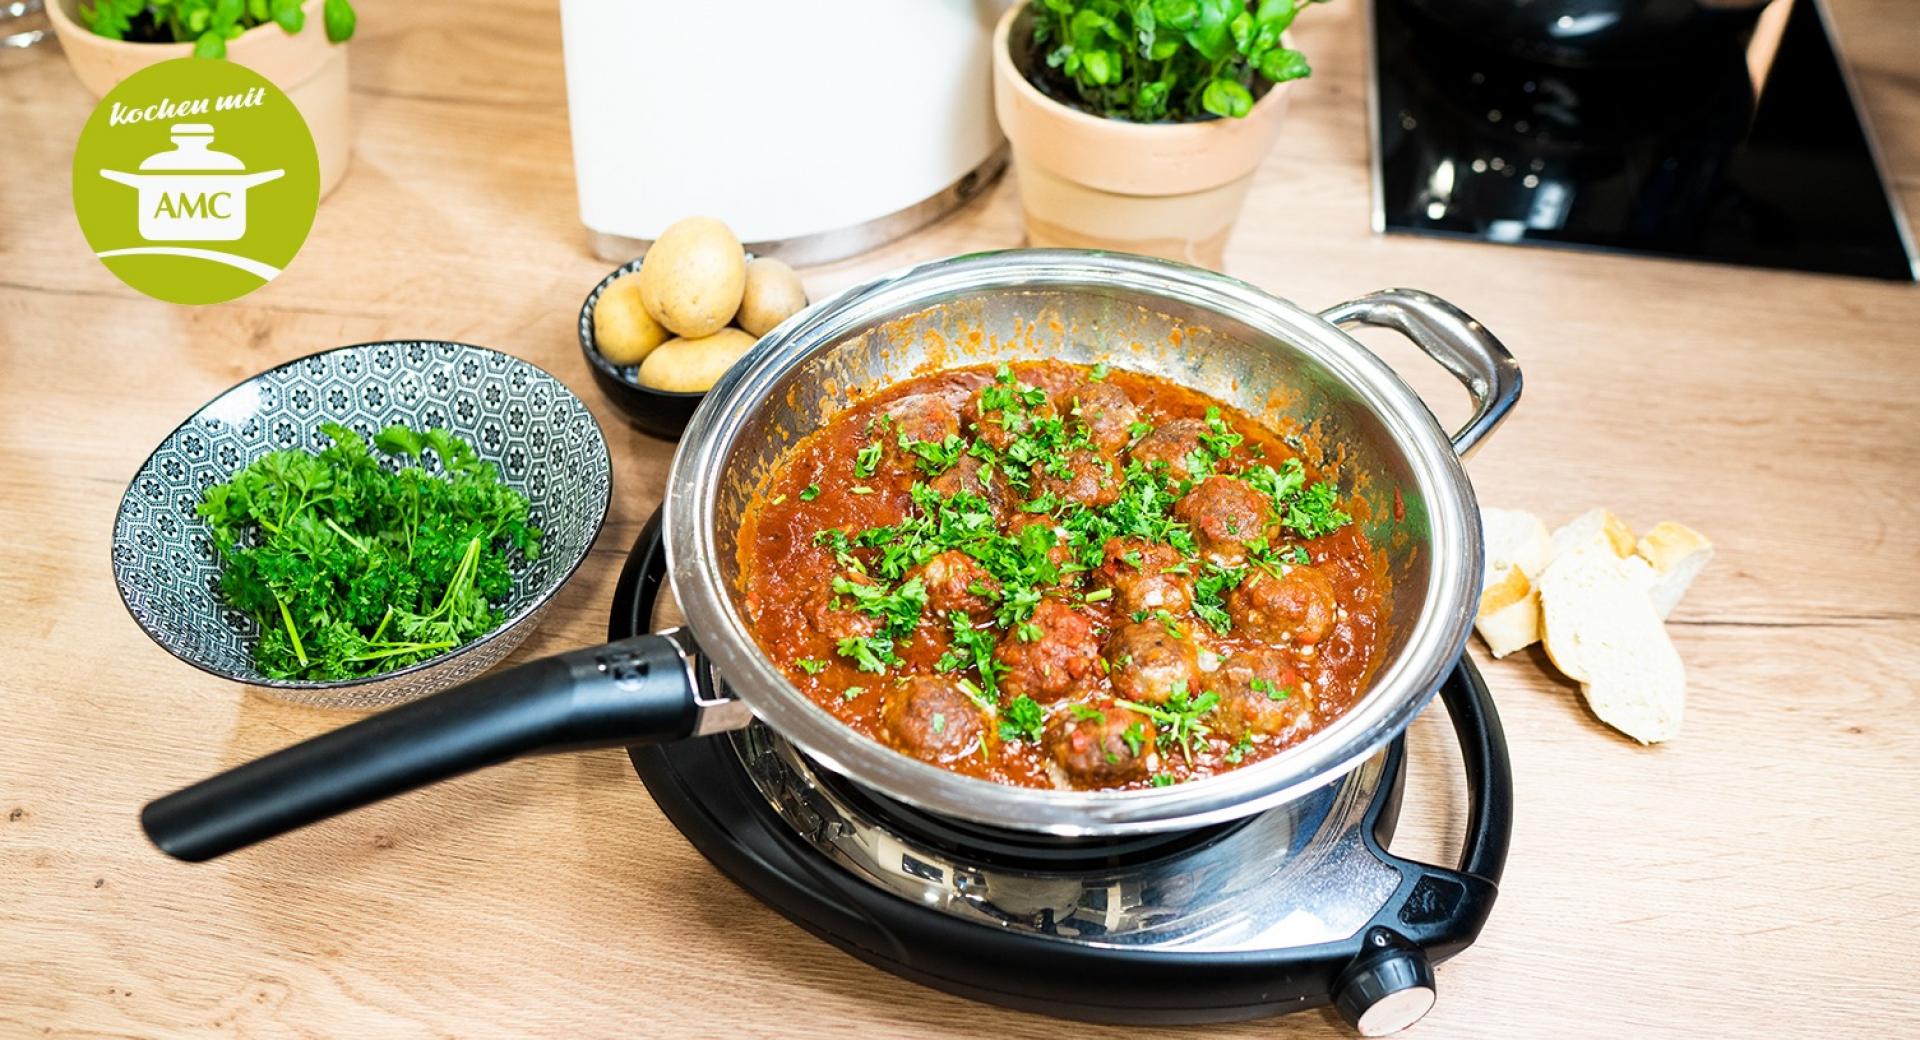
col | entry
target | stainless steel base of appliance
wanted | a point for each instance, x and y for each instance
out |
(823, 247)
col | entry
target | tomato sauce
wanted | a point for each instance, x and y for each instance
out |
(1236, 633)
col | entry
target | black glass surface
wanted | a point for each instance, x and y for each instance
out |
(1675, 159)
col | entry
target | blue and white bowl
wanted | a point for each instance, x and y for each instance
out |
(543, 439)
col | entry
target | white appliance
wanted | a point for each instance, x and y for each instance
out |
(816, 130)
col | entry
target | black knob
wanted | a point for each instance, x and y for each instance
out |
(1386, 989)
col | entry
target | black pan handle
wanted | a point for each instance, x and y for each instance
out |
(634, 691)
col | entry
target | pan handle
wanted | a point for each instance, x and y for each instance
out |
(1447, 334)
(635, 691)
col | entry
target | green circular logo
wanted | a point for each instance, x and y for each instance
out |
(195, 181)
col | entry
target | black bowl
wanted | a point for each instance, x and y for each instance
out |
(662, 413)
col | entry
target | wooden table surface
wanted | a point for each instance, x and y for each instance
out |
(1755, 877)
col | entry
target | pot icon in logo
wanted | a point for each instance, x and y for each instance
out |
(191, 193)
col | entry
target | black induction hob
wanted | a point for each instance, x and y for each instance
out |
(1677, 160)
(1298, 906)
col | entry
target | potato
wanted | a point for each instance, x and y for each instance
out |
(693, 365)
(693, 277)
(773, 294)
(623, 331)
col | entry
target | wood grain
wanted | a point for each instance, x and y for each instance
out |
(1741, 881)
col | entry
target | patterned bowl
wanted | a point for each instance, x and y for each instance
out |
(544, 441)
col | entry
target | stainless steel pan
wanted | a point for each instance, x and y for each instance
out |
(1290, 367)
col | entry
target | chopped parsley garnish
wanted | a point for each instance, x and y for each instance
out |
(898, 612)
(972, 648)
(1266, 686)
(1219, 440)
(1023, 719)
(866, 460)
(1239, 750)
(1098, 373)
(934, 458)
(1135, 735)
(1162, 780)
(1316, 512)
(1310, 511)
(1209, 592)
(938, 723)
(1180, 718)
(1081, 711)
(812, 492)
(852, 692)
(811, 665)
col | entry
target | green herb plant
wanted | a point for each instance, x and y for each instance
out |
(207, 24)
(352, 569)
(1152, 61)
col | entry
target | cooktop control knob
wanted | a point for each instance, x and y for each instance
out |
(1386, 989)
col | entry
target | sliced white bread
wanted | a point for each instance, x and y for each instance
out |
(1509, 614)
(1677, 554)
(1580, 530)
(1601, 629)
(1517, 548)
(1515, 538)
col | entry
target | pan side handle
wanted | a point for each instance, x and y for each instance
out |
(1450, 336)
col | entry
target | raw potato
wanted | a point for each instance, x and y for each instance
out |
(773, 294)
(693, 277)
(623, 332)
(693, 365)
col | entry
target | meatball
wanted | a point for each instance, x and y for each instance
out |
(1297, 605)
(955, 581)
(969, 475)
(1099, 745)
(1137, 572)
(1147, 662)
(1225, 514)
(1091, 479)
(1060, 659)
(835, 616)
(932, 719)
(999, 424)
(1174, 444)
(918, 417)
(1261, 694)
(1107, 411)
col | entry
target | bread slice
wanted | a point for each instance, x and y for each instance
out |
(1677, 554)
(1515, 538)
(1576, 533)
(1509, 614)
(1517, 543)
(1601, 629)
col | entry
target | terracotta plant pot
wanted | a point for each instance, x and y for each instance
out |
(311, 69)
(1162, 189)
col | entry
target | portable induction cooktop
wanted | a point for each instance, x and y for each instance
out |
(1745, 148)
(1296, 907)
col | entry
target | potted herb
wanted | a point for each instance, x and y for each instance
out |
(300, 45)
(1137, 126)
